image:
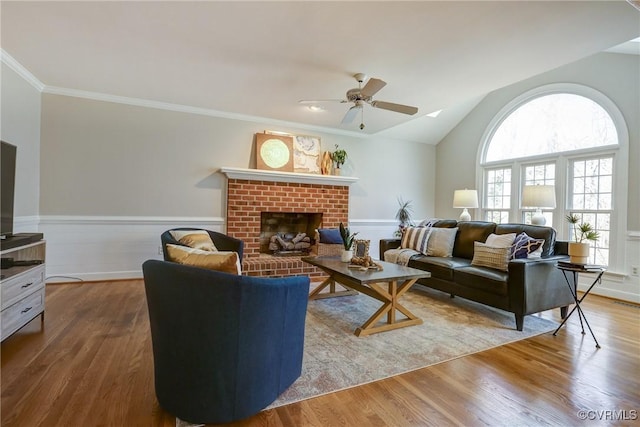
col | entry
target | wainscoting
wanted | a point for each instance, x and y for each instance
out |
(107, 248)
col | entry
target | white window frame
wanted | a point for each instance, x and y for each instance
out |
(619, 153)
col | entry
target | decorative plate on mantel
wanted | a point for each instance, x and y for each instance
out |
(274, 152)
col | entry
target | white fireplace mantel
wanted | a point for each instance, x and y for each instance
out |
(277, 176)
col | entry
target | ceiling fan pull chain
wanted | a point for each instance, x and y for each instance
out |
(362, 118)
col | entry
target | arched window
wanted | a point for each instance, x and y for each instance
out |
(567, 136)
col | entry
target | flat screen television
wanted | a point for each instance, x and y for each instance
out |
(7, 188)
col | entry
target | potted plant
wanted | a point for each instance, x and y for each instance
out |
(403, 215)
(582, 233)
(347, 241)
(339, 156)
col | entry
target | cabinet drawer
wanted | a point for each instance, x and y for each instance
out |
(21, 285)
(16, 316)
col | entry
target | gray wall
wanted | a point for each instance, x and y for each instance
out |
(615, 75)
(20, 126)
(107, 159)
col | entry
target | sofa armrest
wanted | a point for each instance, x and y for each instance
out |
(386, 244)
(537, 284)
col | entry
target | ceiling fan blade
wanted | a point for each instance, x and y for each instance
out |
(398, 108)
(315, 101)
(372, 87)
(351, 114)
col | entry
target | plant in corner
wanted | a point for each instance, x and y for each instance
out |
(403, 215)
(347, 242)
(339, 156)
(582, 233)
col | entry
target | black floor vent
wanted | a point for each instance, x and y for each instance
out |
(628, 304)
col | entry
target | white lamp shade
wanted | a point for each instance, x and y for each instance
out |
(465, 199)
(539, 196)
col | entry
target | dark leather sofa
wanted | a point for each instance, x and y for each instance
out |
(529, 286)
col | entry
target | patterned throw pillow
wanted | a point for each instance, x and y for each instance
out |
(490, 256)
(500, 240)
(526, 247)
(441, 242)
(227, 262)
(416, 238)
(198, 239)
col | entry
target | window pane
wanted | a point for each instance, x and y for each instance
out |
(551, 124)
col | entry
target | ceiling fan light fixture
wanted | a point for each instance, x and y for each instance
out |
(315, 108)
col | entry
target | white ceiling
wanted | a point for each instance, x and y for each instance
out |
(258, 59)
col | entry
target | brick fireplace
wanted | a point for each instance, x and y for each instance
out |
(251, 192)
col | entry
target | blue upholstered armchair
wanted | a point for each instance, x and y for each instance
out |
(222, 241)
(224, 346)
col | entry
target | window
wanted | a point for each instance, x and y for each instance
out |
(498, 199)
(591, 198)
(565, 135)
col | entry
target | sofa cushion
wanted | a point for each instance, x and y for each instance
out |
(439, 223)
(416, 238)
(500, 240)
(198, 239)
(490, 256)
(469, 232)
(227, 262)
(439, 267)
(441, 241)
(482, 278)
(526, 247)
(535, 231)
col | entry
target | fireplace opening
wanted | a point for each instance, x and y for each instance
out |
(288, 233)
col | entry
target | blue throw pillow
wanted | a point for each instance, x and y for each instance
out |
(523, 246)
(330, 235)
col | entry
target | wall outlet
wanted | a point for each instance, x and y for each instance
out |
(634, 270)
(159, 250)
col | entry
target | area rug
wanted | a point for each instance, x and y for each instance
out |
(335, 359)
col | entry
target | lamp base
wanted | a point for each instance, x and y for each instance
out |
(465, 216)
(538, 218)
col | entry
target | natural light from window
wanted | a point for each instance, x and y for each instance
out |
(551, 124)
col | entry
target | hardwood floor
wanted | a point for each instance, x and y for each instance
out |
(92, 365)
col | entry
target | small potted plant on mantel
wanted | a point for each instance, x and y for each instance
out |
(339, 156)
(582, 233)
(347, 241)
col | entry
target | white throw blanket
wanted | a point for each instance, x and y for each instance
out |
(400, 256)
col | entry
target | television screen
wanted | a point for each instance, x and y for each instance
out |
(8, 172)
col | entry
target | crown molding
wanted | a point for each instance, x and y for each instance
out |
(21, 71)
(139, 102)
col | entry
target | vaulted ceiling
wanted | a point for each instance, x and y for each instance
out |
(258, 59)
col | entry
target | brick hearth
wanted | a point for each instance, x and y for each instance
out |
(246, 198)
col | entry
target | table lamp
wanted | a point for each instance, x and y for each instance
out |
(465, 199)
(539, 196)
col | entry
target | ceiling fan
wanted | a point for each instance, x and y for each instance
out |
(363, 95)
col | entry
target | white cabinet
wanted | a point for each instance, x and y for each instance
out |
(22, 287)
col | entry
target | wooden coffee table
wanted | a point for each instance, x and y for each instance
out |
(386, 285)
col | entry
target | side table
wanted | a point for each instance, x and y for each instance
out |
(598, 271)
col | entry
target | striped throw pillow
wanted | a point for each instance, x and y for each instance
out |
(416, 238)
(490, 256)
